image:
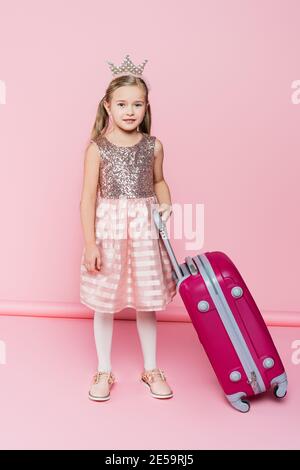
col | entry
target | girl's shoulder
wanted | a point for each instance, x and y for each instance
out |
(152, 138)
(157, 145)
(98, 142)
(153, 142)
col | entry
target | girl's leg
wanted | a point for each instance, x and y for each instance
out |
(103, 330)
(146, 326)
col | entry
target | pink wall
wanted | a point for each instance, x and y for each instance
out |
(221, 75)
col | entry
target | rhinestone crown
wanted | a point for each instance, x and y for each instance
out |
(127, 67)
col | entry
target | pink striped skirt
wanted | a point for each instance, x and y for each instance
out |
(135, 268)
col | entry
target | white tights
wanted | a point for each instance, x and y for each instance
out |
(103, 330)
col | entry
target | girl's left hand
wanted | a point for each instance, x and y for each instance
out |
(165, 211)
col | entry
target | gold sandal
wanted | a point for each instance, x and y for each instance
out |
(100, 388)
(156, 381)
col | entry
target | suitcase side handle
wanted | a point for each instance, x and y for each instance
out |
(191, 265)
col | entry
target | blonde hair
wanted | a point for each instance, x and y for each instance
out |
(102, 117)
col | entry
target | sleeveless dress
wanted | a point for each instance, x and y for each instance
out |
(135, 268)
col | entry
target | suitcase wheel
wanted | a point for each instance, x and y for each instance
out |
(279, 392)
(241, 405)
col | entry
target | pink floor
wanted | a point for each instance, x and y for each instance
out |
(48, 365)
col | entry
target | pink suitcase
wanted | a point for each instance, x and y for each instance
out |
(228, 323)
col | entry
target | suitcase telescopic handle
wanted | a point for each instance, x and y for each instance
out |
(161, 226)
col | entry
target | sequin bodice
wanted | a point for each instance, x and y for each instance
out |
(126, 171)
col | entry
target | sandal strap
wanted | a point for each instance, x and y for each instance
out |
(150, 375)
(110, 377)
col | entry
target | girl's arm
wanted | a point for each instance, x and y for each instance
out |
(161, 188)
(89, 193)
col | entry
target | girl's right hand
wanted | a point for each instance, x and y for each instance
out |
(92, 259)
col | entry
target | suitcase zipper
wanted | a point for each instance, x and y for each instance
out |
(253, 383)
(254, 377)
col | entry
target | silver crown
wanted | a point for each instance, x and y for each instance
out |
(127, 66)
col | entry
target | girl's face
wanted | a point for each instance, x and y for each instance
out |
(127, 107)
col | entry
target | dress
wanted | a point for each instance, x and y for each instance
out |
(135, 268)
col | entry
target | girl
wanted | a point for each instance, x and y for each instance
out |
(123, 182)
